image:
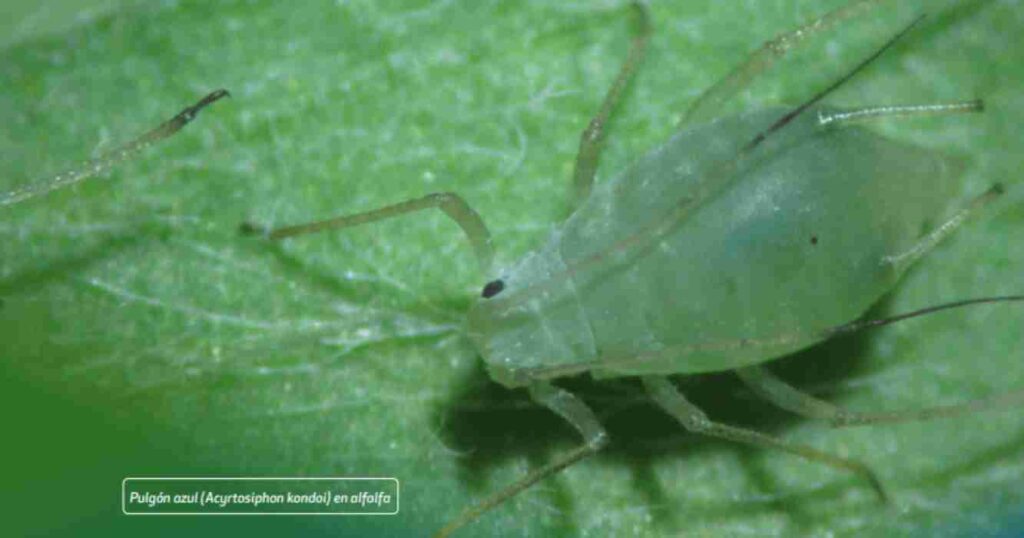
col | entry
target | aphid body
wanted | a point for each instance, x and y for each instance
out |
(740, 239)
(741, 264)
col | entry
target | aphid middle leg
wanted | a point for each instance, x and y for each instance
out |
(665, 394)
(450, 203)
(783, 395)
(592, 137)
(573, 410)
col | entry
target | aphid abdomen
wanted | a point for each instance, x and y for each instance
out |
(773, 245)
(800, 240)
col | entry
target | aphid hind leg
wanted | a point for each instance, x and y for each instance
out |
(783, 395)
(592, 137)
(902, 260)
(573, 410)
(693, 419)
(450, 203)
(708, 105)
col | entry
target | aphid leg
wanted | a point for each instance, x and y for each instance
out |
(899, 111)
(111, 158)
(768, 386)
(783, 395)
(665, 394)
(451, 204)
(573, 410)
(592, 137)
(904, 259)
(710, 102)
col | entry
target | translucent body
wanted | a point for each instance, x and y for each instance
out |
(737, 241)
(704, 256)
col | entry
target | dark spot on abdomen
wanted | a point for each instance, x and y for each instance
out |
(492, 288)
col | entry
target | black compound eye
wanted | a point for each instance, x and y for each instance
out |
(492, 288)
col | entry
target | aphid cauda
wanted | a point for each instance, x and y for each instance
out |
(718, 250)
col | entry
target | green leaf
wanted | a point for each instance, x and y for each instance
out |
(142, 336)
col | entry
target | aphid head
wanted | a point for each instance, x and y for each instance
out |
(529, 318)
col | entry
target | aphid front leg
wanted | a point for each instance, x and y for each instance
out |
(451, 204)
(665, 394)
(592, 138)
(573, 410)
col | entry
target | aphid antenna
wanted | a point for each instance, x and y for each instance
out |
(111, 158)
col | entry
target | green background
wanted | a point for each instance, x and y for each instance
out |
(140, 335)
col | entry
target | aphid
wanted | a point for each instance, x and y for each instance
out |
(719, 250)
(104, 162)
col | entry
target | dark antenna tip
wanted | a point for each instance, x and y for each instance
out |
(210, 98)
(250, 229)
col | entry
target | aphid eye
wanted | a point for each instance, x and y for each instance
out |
(492, 288)
(814, 240)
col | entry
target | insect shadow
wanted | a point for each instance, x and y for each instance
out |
(41, 272)
(488, 425)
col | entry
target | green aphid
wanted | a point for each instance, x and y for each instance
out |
(739, 240)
